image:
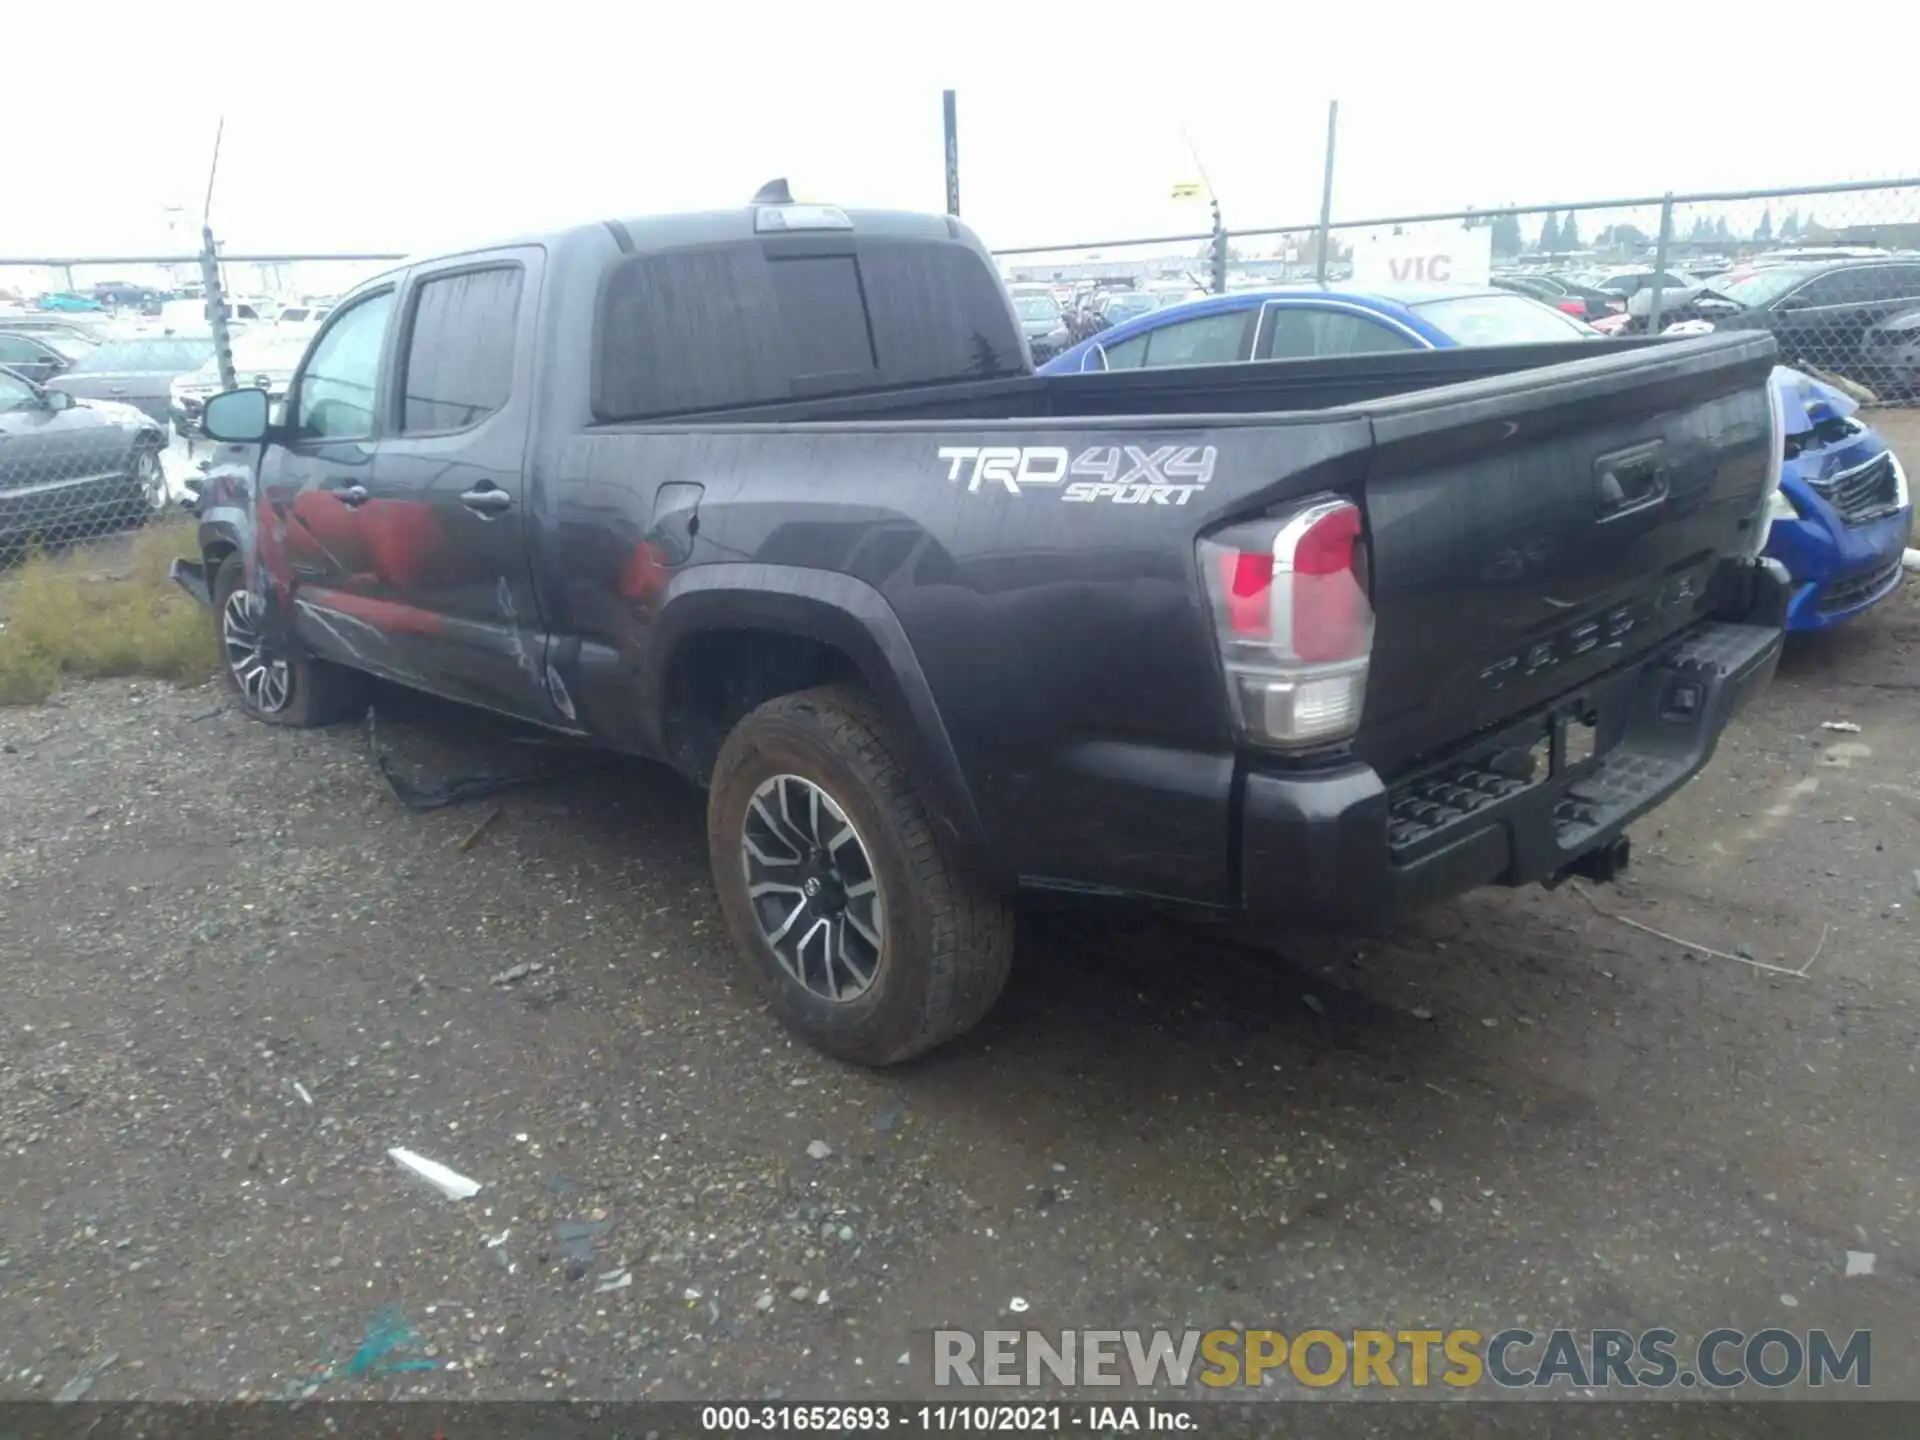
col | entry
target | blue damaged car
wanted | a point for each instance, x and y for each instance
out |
(1841, 517)
(1843, 513)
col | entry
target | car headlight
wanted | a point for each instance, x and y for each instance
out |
(1780, 506)
(1902, 497)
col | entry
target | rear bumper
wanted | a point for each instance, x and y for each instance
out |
(1345, 847)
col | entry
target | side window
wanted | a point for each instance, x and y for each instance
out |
(1300, 332)
(1836, 287)
(15, 394)
(1290, 333)
(16, 351)
(1342, 334)
(1207, 340)
(1128, 354)
(459, 362)
(1889, 282)
(337, 387)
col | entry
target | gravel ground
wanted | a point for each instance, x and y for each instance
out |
(237, 971)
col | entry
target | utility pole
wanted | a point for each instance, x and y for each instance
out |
(1326, 192)
(216, 299)
(950, 106)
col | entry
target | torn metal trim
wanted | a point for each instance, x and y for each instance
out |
(191, 576)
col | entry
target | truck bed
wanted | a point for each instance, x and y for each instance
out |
(1066, 649)
(1272, 385)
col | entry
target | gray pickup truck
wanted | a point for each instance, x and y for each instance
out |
(774, 496)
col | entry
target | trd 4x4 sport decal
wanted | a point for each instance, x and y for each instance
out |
(1120, 474)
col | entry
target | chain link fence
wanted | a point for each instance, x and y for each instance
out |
(1832, 271)
(74, 468)
(102, 377)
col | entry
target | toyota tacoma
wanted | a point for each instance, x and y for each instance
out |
(773, 495)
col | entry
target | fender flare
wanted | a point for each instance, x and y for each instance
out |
(849, 616)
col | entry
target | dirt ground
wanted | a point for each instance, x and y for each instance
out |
(237, 971)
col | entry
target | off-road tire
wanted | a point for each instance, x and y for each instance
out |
(318, 693)
(948, 938)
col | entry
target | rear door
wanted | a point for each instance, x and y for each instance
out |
(447, 519)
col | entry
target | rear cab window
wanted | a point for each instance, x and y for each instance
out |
(754, 319)
(458, 363)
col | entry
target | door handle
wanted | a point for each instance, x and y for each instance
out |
(116, 389)
(486, 500)
(351, 496)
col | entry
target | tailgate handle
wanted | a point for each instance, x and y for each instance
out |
(1629, 480)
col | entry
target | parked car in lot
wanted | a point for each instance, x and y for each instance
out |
(1890, 356)
(1843, 515)
(39, 355)
(67, 300)
(1842, 510)
(1310, 322)
(70, 468)
(191, 317)
(1042, 322)
(1820, 312)
(1629, 283)
(931, 628)
(1584, 302)
(78, 328)
(138, 370)
(263, 358)
(117, 294)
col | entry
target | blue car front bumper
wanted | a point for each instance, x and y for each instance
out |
(1838, 569)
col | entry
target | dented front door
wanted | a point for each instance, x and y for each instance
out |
(446, 520)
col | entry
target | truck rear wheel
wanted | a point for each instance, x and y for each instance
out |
(875, 945)
(280, 687)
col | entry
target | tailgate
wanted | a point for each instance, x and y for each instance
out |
(1531, 531)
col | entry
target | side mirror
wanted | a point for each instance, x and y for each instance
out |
(58, 400)
(236, 417)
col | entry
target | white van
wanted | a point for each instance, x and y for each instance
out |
(194, 316)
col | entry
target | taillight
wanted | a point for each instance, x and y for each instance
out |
(1294, 622)
(1574, 307)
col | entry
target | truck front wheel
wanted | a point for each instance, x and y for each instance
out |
(279, 685)
(875, 945)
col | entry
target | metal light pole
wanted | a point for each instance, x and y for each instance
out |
(216, 300)
(1326, 192)
(950, 106)
(1660, 262)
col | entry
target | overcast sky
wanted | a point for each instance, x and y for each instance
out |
(396, 128)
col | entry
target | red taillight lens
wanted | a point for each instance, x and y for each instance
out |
(1246, 584)
(1294, 622)
(1574, 307)
(1330, 610)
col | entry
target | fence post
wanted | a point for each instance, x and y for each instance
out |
(1219, 252)
(216, 302)
(1660, 262)
(1326, 192)
(950, 108)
